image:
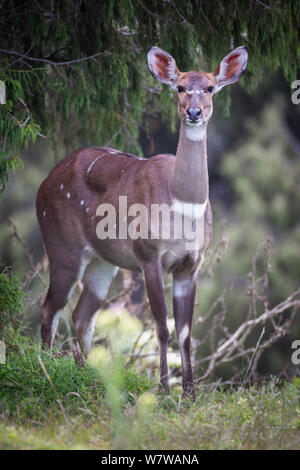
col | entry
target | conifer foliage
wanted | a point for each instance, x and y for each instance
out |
(75, 71)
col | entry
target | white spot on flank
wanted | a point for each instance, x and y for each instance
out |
(189, 209)
(195, 132)
(183, 335)
(44, 213)
(82, 202)
(68, 195)
(87, 209)
(61, 187)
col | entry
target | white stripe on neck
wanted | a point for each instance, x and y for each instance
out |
(195, 132)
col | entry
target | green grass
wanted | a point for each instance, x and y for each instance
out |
(27, 394)
(76, 409)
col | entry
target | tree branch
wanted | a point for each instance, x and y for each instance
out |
(51, 62)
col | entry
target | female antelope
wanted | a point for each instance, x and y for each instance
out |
(72, 202)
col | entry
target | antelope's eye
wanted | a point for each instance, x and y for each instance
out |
(180, 89)
(210, 89)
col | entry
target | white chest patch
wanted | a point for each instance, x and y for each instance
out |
(189, 209)
(195, 133)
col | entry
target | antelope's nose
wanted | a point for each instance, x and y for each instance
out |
(193, 113)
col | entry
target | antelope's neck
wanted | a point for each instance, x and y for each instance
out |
(189, 181)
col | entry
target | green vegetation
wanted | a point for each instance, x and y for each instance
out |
(74, 411)
(86, 62)
(49, 402)
(108, 97)
(10, 294)
(11, 307)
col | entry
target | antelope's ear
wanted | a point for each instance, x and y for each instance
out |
(232, 67)
(162, 66)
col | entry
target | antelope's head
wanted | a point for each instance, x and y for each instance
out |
(196, 89)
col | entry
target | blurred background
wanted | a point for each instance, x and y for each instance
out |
(253, 146)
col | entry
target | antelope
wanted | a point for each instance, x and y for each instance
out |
(68, 204)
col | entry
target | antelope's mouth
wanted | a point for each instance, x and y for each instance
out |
(194, 122)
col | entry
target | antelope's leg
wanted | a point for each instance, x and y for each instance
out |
(97, 281)
(62, 282)
(184, 288)
(155, 289)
